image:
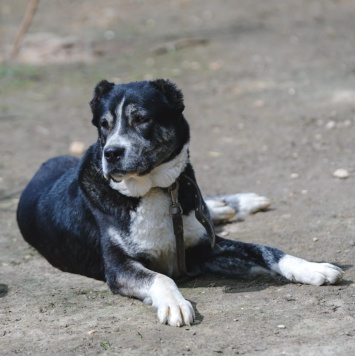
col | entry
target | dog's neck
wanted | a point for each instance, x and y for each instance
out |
(162, 176)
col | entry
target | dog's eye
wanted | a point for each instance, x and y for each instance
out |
(141, 119)
(104, 124)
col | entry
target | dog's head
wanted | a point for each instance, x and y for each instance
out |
(143, 134)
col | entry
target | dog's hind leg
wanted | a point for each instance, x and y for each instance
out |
(225, 208)
(237, 259)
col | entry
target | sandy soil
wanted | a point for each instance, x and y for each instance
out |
(270, 95)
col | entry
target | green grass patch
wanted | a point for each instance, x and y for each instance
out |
(14, 77)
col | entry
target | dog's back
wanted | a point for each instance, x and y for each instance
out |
(40, 185)
(47, 201)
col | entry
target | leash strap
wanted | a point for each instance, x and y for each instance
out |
(176, 214)
(200, 216)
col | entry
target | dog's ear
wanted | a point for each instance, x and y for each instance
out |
(171, 92)
(100, 90)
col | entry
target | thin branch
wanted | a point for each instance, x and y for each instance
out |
(26, 23)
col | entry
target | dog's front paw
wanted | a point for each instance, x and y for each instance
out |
(299, 270)
(173, 308)
(176, 312)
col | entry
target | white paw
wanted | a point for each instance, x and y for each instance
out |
(299, 270)
(247, 203)
(173, 308)
(229, 207)
(219, 211)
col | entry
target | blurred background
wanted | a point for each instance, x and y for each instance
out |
(269, 90)
(245, 68)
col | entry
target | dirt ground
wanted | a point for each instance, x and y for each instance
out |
(270, 95)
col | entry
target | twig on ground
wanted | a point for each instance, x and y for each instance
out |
(26, 23)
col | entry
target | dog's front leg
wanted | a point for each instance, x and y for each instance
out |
(130, 278)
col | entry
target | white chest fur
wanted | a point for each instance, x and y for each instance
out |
(152, 231)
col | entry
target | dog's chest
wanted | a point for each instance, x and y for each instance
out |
(152, 231)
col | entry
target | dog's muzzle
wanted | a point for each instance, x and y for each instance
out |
(112, 155)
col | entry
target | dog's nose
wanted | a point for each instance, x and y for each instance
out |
(113, 153)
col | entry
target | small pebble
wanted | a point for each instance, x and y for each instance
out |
(294, 175)
(292, 91)
(109, 35)
(286, 216)
(315, 239)
(281, 326)
(346, 123)
(77, 148)
(341, 173)
(330, 125)
(213, 154)
(259, 103)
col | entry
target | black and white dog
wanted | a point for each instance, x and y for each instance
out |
(108, 215)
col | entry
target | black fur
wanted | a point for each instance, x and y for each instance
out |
(66, 210)
(65, 207)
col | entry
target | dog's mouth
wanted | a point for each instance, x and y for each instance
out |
(118, 175)
(117, 178)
